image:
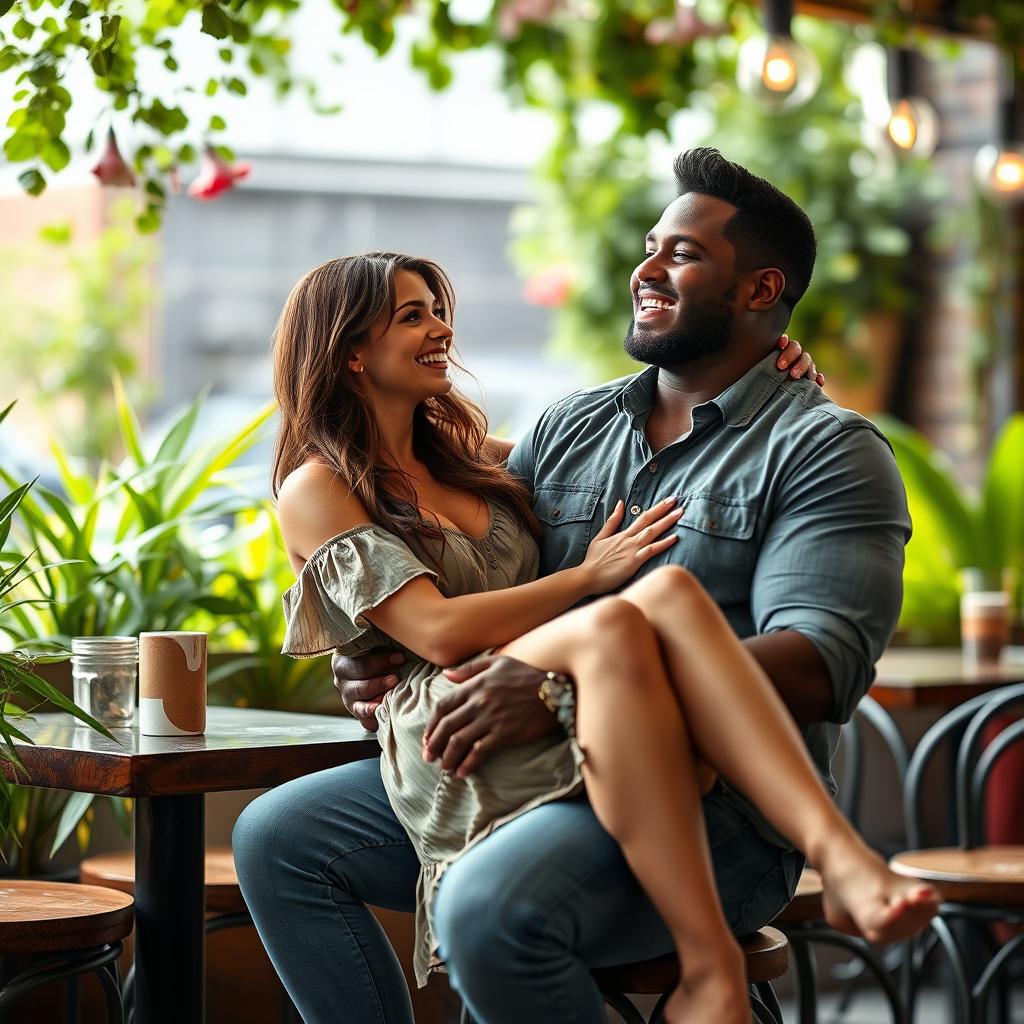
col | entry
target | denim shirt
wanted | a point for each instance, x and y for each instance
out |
(795, 516)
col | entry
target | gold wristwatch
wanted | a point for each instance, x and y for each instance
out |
(558, 694)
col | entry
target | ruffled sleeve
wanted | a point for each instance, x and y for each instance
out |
(343, 579)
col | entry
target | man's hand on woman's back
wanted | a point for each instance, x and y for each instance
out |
(363, 681)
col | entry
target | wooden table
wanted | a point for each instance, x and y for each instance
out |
(168, 775)
(937, 677)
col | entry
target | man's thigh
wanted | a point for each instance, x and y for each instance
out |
(337, 826)
(559, 872)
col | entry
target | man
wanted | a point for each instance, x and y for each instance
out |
(795, 521)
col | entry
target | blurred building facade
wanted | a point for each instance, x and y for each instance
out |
(227, 266)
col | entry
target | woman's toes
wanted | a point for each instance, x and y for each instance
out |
(924, 894)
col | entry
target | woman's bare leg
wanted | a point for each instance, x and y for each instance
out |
(640, 776)
(742, 729)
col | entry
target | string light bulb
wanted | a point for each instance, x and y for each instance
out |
(999, 168)
(913, 125)
(774, 69)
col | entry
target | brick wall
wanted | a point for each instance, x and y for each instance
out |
(939, 392)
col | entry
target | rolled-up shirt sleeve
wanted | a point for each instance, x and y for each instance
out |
(831, 564)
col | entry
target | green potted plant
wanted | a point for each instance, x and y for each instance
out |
(957, 529)
(251, 671)
(21, 690)
(122, 550)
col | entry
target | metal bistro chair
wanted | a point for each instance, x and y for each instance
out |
(225, 905)
(980, 885)
(767, 957)
(69, 930)
(803, 921)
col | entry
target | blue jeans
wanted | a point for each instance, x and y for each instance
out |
(521, 918)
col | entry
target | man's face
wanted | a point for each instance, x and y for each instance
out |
(684, 292)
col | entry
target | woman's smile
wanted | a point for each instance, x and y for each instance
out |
(436, 360)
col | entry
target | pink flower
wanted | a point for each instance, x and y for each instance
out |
(216, 175)
(112, 168)
(683, 28)
(514, 13)
(551, 287)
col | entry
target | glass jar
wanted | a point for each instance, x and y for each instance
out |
(103, 670)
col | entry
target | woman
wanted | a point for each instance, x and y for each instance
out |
(404, 528)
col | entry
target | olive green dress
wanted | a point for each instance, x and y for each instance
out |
(444, 815)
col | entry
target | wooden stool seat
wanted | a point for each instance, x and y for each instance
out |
(991, 875)
(766, 952)
(806, 905)
(54, 917)
(222, 893)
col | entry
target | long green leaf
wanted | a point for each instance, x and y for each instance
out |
(201, 468)
(180, 431)
(63, 513)
(1004, 496)
(8, 507)
(131, 432)
(79, 487)
(74, 810)
(44, 689)
(932, 493)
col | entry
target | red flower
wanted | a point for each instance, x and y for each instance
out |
(112, 168)
(216, 175)
(551, 287)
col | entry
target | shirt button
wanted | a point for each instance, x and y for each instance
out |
(653, 467)
(635, 510)
(556, 513)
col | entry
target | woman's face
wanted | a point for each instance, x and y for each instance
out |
(407, 354)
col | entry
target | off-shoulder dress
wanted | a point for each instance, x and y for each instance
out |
(443, 814)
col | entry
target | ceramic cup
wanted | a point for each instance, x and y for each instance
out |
(172, 684)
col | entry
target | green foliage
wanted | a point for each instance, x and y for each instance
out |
(128, 537)
(19, 684)
(66, 350)
(124, 549)
(956, 530)
(42, 42)
(598, 201)
(254, 573)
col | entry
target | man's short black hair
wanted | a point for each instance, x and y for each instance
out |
(768, 228)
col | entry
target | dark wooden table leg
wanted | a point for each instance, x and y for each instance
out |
(170, 984)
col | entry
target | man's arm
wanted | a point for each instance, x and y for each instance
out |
(828, 586)
(798, 671)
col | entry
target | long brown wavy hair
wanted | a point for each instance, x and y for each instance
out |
(326, 416)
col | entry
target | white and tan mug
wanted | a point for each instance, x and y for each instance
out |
(172, 684)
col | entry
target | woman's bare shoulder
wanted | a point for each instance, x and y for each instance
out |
(315, 504)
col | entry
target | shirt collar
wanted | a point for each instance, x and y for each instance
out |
(742, 401)
(739, 403)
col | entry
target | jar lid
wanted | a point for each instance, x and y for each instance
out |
(107, 645)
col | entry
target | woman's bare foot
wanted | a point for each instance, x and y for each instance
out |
(711, 994)
(863, 897)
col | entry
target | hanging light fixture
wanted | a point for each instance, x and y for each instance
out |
(774, 69)
(999, 168)
(913, 125)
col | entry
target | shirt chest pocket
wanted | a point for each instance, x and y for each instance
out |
(567, 515)
(717, 543)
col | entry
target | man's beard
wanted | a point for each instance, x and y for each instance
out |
(704, 330)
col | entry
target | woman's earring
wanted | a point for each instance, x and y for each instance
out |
(358, 369)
